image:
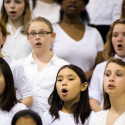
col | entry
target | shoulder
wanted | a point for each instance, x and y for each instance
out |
(17, 107)
(101, 65)
(46, 118)
(60, 62)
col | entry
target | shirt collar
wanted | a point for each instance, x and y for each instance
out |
(116, 56)
(30, 60)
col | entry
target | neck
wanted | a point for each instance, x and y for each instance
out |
(15, 23)
(118, 104)
(69, 20)
(43, 57)
(48, 1)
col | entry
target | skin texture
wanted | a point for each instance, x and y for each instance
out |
(2, 83)
(25, 121)
(118, 39)
(68, 80)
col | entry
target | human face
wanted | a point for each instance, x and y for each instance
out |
(2, 83)
(69, 85)
(118, 39)
(114, 79)
(14, 9)
(72, 8)
(25, 121)
(38, 41)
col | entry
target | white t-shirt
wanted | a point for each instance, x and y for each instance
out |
(16, 45)
(99, 118)
(41, 82)
(7, 116)
(81, 53)
(65, 119)
(104, 12)
(48, 11)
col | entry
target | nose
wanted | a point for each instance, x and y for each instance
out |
(12, 4)
(111, 79)
(64, 83)
(120, 38)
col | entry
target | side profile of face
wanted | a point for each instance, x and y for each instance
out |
(114, 79)
(40, 35)
(73, 8)
(118, 39)
(14, 8)
(69, 85)
(25, 121)
(2, 83)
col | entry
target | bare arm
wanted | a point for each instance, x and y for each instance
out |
(95, 105)
(27, 101)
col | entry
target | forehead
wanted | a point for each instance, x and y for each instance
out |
(119, 28)
(67, 71)
(114, 66)
(25, 121)
(38, 25)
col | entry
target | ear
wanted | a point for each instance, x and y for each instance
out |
(84, 86)
(53, 36)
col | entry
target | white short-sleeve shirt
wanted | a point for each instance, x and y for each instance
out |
(81, 53)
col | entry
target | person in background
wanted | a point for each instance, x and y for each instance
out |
(18, 72)
(69, 101)
(16, 15)
(114, 48)
(9, 105)
(74, 38)
(26, 117)
(48, 9)
(114, 95)
(103, 14)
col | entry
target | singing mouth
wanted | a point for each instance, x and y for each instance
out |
(38, 43)
(64, 91)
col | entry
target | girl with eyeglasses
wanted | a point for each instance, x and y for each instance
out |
(114, 48)
(42, 65)
(16, 14)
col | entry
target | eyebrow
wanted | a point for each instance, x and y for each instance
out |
(67, 75)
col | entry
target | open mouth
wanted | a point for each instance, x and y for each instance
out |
(72, 7)
(64, 91)
(38, 43)
(13, 12)
(119, 45)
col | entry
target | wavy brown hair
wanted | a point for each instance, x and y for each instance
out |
(109, 51)
(26, 14)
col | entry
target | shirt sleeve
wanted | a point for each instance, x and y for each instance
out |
(23, 90)
(96, 83)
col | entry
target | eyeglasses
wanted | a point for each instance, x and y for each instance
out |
(41, 34)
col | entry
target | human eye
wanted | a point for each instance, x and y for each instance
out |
(107, 74)
(124, 34)
(119, 74)
(71, 79)
(59, 80)
(114, 35)
(42, 33)
(7, 1)
(32, 33)
(18, 1)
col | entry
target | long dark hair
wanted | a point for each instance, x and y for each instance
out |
(84, 14)
(8, 97)
(83, 108)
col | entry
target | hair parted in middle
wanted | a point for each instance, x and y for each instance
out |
(83, 109)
